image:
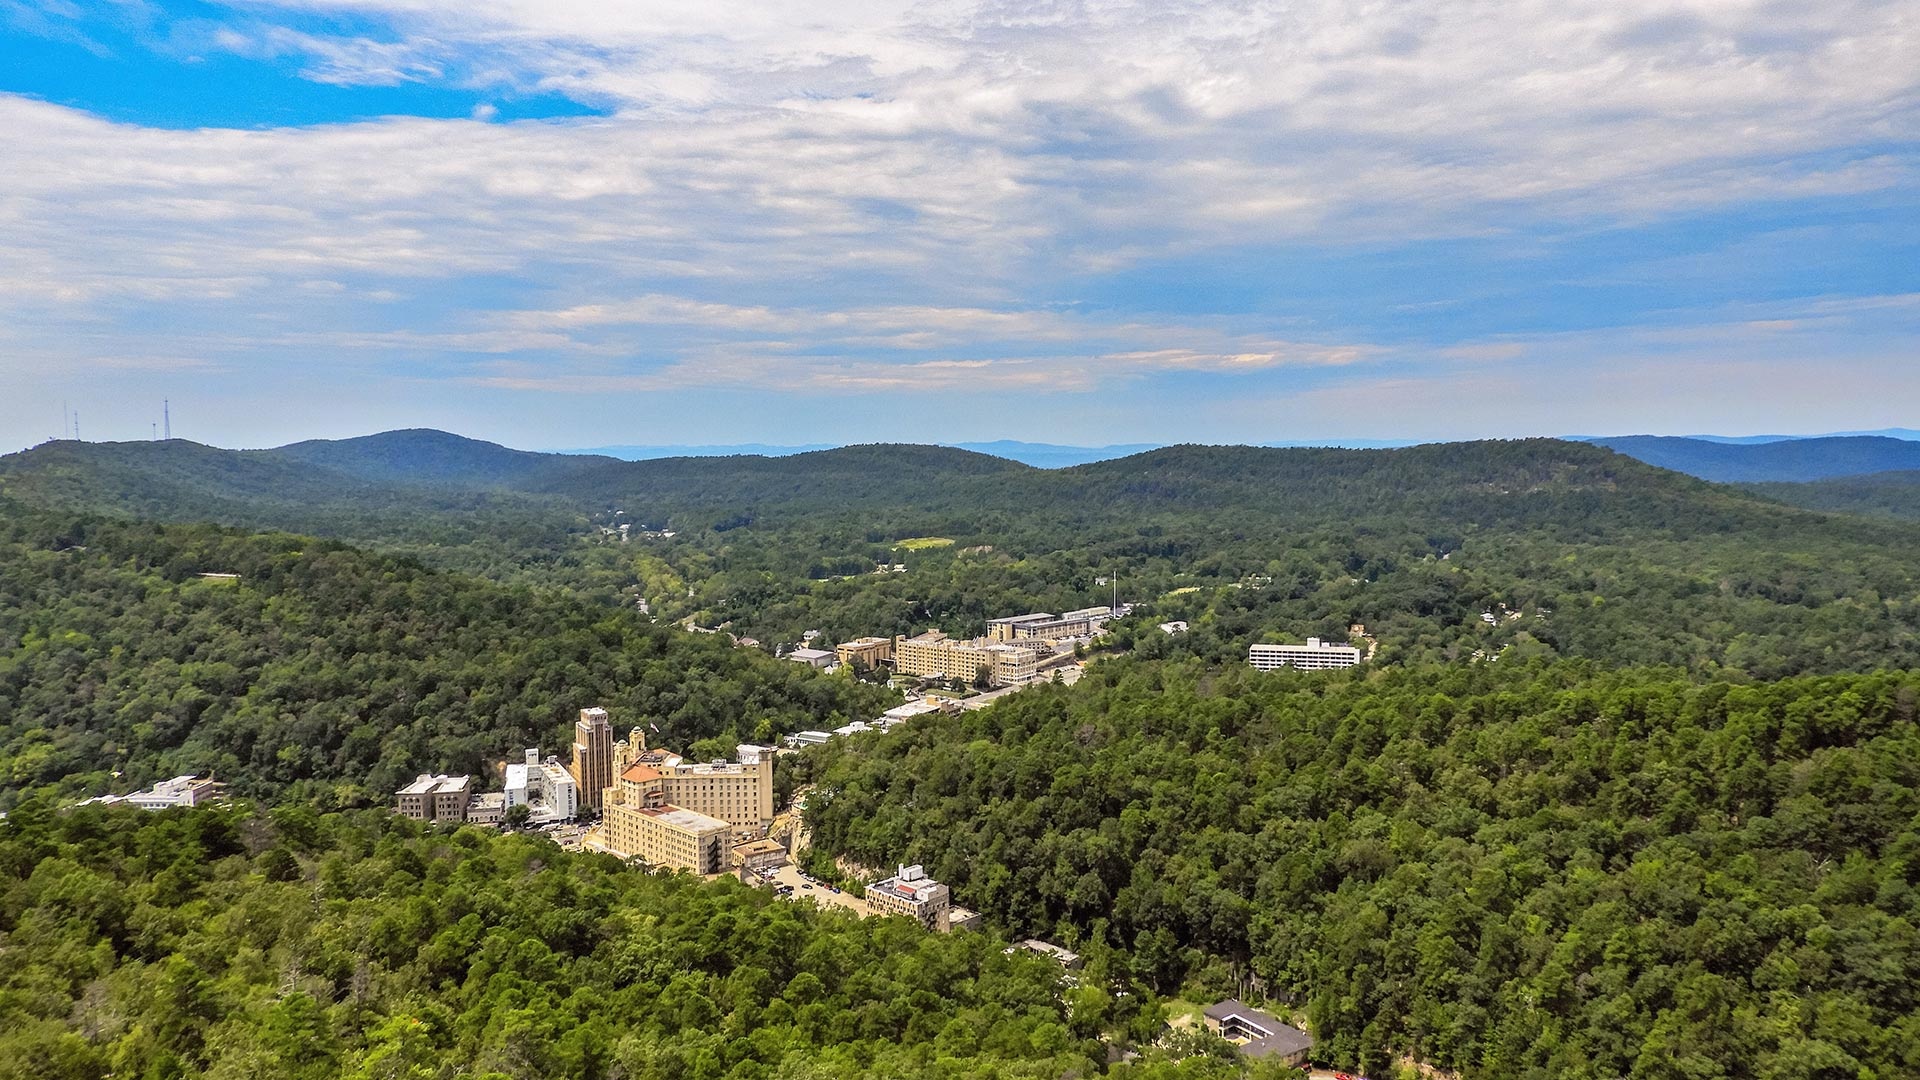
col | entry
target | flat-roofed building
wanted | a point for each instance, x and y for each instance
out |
(801, 739)
(933, 654)
(545, 788)
(819, 658)
(179, 791)
(757, 855)
(868, 651)
(1042, 626)
(1257, 1034)
(1066, 958)
(434, 797)
(1315, 655)
(912, 893)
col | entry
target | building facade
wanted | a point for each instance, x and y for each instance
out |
(544, 787)
(912, 893)
(1315, 655)
(1043, 626)
(935, 655)
(592, 767)
(434, 797)
(1257, 1034)
(672, 812)
(869, 651)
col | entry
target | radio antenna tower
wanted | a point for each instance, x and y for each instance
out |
(166, 416)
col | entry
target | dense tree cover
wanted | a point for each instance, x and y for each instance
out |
(1885, 494)
(328, 670)
(213, 943)
(1602, 556)
(1513, 870)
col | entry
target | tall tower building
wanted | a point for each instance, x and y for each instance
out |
(592, 766)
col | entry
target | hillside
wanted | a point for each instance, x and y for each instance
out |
(1590, 552)
(1505, 870)
(1789, 460)
(1885, 494)
(328, 671)
(289, 946)
(424, 457)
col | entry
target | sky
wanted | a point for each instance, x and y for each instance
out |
(561, 223)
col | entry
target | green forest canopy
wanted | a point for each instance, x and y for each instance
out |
(1543, 870)
(331, 672)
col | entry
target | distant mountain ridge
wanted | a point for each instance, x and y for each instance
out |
(1787, 460)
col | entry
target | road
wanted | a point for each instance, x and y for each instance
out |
(1068, 676)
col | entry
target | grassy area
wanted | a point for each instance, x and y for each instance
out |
(922, 543)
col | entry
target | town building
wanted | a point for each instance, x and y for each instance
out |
(434, 797)
(818, 658)
(1066, 958)
(545, 788)
(672, 812)
(754, 856)
(959, 918)
(912, 893)
(592, 766)
(1315, 655)
(933, 654)
(1257, 1034)
(1043, 626)
(802, 739)
(179, 791)
(869, 652)
(487, 808)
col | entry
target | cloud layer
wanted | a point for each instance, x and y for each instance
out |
(898, 197)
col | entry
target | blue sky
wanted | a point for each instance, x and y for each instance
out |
(562, 223)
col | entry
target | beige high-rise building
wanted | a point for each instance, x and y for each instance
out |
(592, 765)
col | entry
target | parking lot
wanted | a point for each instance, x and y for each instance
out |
(805, 888)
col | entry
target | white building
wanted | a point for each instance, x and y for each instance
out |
(818, 658)
(1315, 655)
(912, 893)
(545, 787)
(808, 738)
(179, 791)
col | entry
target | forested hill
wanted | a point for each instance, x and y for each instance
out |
(1885, 494)
(1572, 548)
(423, 456)
(222, 944)
(1508, 870)
(329, 671)
(1788, 460)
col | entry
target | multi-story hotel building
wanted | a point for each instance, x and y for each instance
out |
(592, 765)
(935, 654)
(1315, 655)
(870, 651)
(671, 812)
(912, 893)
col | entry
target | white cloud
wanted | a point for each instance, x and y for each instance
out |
(880, 189)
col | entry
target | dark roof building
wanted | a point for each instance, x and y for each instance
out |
(1257, 1034)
